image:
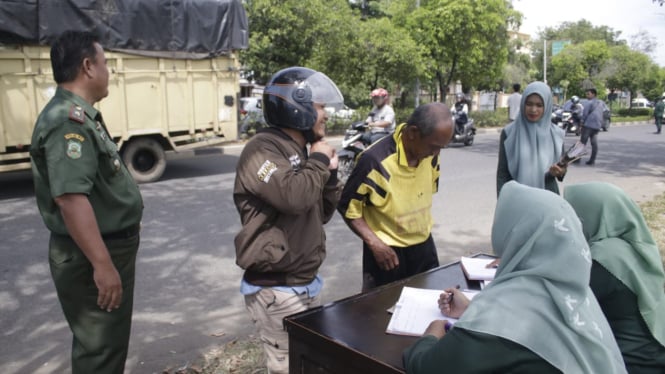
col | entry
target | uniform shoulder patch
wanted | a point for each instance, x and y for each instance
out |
(78, 137)
(74, 149)
(76, 113)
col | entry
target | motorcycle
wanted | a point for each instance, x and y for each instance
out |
(567, 120)
(353, 144)
(465, 130)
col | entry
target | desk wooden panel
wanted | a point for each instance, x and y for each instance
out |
(348, 336)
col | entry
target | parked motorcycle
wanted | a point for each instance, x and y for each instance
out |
(465, 131)
(353, 144)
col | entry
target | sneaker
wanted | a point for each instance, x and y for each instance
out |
(590, 163)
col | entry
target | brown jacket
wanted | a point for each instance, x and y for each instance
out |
(283, 198)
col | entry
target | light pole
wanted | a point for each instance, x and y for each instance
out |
(545, 61)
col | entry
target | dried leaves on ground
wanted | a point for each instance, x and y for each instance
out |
(239, 356)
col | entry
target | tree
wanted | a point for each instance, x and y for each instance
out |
(281, 35)
(628, 69)
(518, 66)
(567, 65)
(464, 40)
(577, 32)
(330, 36)
(644, 42)
(374, 54)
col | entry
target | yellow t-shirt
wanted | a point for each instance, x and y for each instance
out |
(394, 199)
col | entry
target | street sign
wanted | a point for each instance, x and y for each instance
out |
(558, 45)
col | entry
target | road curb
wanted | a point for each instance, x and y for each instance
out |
(238, 144)
(485, 130)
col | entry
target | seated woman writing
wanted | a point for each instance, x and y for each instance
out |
(627, 273)
(538, 315)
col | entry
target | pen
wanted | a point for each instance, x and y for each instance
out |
(450, 300)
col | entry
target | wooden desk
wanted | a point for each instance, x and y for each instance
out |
(348, 336)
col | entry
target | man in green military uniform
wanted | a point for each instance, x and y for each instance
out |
(91, 205)
(658, 113)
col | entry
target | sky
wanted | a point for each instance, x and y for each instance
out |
(627, 16)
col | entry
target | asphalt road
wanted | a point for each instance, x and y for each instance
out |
(187, 299)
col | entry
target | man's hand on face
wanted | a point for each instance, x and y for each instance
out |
(321, 146)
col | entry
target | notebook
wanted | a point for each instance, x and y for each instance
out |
(475, 268)
(416, 309)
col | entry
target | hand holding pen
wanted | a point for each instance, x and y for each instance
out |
(452, 302)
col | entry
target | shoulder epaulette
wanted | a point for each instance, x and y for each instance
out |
(76, 113)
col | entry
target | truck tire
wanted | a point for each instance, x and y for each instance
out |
(145, 159)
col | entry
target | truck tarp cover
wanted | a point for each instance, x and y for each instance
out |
(195, 27)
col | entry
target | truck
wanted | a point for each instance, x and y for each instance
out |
(174, 74)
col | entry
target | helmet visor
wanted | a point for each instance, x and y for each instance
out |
(324, 91)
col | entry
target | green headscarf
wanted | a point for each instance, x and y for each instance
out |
(622, 243)
(532, 147)
(540, 297)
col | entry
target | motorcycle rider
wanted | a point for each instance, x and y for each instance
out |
(460, 112)
(575, 108)
(381, 120)
(284, 194)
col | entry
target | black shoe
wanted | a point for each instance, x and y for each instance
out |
(590, 163)
(657, 132)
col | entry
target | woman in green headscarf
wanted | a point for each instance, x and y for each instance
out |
(627, 273)
(530, 147)
(538, 315)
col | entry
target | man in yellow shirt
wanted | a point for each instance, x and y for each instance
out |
(387, 200)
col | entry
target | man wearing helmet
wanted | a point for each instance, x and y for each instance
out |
(284, 195)
(381, 119)
(575, 108)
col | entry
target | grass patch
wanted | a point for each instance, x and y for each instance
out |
(654, 213)
(617, 118)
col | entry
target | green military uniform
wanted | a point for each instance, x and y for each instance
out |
(658, 113)
(72, 153)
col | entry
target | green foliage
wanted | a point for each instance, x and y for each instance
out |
(331, 36)
(578, 63)
(285, 33)
(464, 40)
(628, 70)
(635, 112)
(578, 33)
(376, 54)
(489, 118)
(654, 82)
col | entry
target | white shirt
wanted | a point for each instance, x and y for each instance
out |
(514, 101)
(386, 113)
